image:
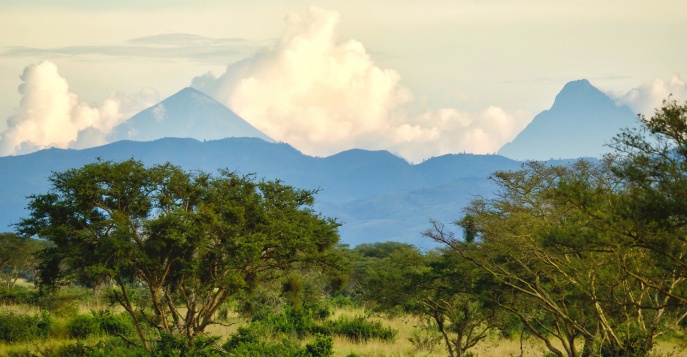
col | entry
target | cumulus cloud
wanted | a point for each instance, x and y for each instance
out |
(323, 96)
(649, 96)
(49, 115)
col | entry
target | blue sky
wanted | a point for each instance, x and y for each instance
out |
(419, 78)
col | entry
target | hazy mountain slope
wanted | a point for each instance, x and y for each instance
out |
(377, 196)
(579, 124)
(401, 216)
(186, 114)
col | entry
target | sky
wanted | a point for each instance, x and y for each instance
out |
(417, 78)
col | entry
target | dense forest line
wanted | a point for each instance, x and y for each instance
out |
(588, 259)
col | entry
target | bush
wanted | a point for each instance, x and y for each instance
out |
(112, 347)
(68, 350)
(262, 349)
(341, 300)
(64, 301)
(22, 353)
(17, 294)
(359, 329)
(17, 328)
(251, 342)
(171, 345)
(244, 335)
(294, 322)
(82, 326)
(323, 346)
(111, 324)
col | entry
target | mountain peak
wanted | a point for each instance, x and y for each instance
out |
(580, 122)
(189, 113)
(580, 84)
(580, 93)
(190, 92)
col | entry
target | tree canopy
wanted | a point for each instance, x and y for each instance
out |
(592, 251)
(192, 239)
(17, 257)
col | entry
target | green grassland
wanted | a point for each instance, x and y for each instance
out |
(82, 322)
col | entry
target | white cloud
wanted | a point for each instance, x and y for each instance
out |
(49, 115)
(323, 96)
(649, 96)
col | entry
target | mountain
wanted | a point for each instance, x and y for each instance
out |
(186, 114)
(375, 195)
(580, 123)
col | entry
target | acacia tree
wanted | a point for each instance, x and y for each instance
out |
(17, 257)
(653, 166)
(438, 285)
(509, 248)
(192, 239)
(451, 292)
(563, 254)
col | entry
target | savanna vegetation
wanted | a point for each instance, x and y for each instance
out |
(588, 259)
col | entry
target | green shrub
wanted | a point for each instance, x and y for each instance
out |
(244, 335)
(68, 350)
(359, 329)
(294, 322)
(107, 347)
(320, 311)
(82, 326)
(22, 353)
(323, 346)
(172, 345)
(17, 294)
(251, 342)
(16, 328)
(341, 300)
(64, 301)
(261, 349)
(113, 324)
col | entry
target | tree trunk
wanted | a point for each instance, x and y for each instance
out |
(126, 303)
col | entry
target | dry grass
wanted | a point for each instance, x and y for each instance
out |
(407, 327)
(402, 346)
(491, 346)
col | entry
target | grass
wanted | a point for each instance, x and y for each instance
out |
(408, 327)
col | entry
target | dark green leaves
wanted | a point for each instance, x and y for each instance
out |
(189, 237)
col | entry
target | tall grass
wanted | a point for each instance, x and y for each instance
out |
(50, 333)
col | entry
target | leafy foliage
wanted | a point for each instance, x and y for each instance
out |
(17, 258)
(359, 329)
(252, 341)
(19, 327)
(189, 238)
(589, 251)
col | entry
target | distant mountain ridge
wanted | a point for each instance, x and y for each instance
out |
(374, 194)
(580, 122)
(187, 114)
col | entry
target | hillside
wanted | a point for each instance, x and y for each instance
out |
(581, 121)
(374, 194)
